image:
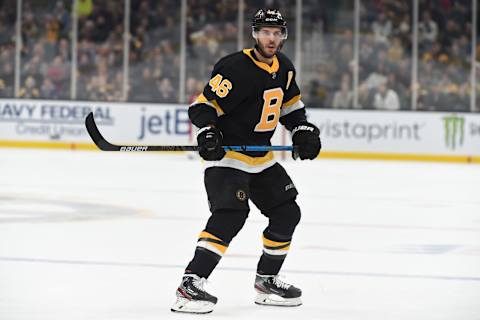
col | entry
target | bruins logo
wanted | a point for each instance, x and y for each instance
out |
(241, 195)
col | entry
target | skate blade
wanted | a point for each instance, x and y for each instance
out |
(192, 306)
(275, 300)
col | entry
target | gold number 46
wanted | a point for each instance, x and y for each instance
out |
(220, 86)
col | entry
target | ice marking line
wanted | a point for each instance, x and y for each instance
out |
(177, 266)
(337, 225)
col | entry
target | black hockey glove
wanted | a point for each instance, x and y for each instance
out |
(306, 137)
(209, 141)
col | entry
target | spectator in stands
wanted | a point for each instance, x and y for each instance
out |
(396, 51)
(166, 91)
(29, 90)
(386, 98)
(117, 87)
(382, 28)
(343, 98)
(7, 78)
(145, 89)
(427, 29)
(403, 31)
(3, 89)
(35, 68)
(57, 73)
(319, 91)
(99, 89)
(5, 92)
(194, 89)
(48, 89)
(62, 15)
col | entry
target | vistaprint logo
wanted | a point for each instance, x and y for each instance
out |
(454, 128)
(372, 132)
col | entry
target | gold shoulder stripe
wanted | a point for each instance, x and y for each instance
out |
(201, 99)
(262, 65)
(214, 104)
(217, 106)
(292, 101)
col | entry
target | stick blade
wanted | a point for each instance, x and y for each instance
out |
(96, 136)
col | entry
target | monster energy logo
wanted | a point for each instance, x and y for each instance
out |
(454, 130)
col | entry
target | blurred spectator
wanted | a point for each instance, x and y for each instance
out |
(48, 89)
(166, 91)
(320, 91)
(6, 79)
(57, 73)
(145, 89)
(194, 89)
(63, 17)
(386, 98)
(382, 28)
(427, 29)
(3, 88)
(29, 90)
(343, 98)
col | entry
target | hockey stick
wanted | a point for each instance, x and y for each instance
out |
(104, 145)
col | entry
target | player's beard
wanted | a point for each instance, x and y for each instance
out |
(261, 48)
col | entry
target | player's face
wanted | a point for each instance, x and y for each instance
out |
(269, 40)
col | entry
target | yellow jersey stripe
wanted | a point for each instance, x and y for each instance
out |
(262, 65)
(292, 101)
(253, 161)
(214, 104)
(217, 106)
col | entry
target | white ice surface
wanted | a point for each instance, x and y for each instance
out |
(91, 235)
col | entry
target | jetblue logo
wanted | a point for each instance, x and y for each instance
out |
(164, 122)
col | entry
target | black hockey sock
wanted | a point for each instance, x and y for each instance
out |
(203, 263)
(208, 253)
(274, 254)
(270, 265)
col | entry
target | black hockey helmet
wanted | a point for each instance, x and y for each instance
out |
(269, 18)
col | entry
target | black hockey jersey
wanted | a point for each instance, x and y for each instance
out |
(245, 99)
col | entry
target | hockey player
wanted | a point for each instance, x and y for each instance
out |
(248, 94)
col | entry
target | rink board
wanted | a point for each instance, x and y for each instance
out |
(421, 136)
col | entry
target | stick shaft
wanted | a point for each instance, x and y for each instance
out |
(104, 145)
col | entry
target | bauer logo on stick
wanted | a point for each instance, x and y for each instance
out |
(133, 149)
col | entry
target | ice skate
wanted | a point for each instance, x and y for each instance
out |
(191, 297)
(272, 291)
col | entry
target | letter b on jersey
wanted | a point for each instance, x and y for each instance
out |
(272, 102)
